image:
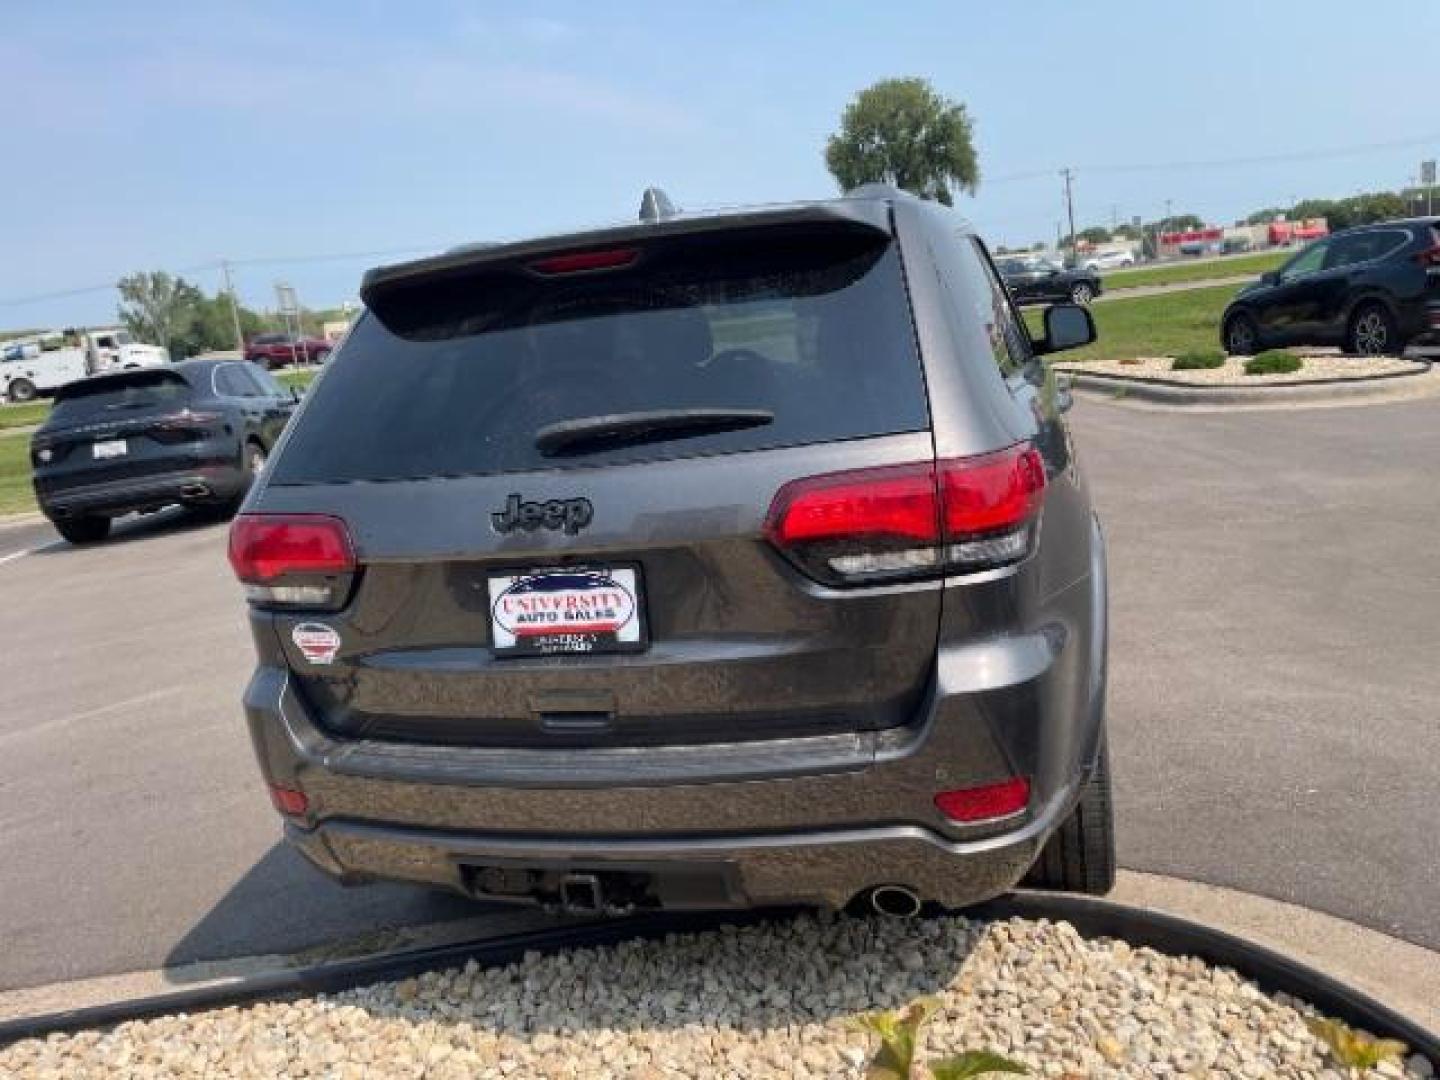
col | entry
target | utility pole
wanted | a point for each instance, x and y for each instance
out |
(234, 306)
(1068, 174)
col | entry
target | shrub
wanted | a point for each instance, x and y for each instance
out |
(897, 1057)
(1198, 360)
(1354, 1049)
(1273, 362)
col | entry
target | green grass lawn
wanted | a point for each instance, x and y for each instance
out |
(1163, 325)
(302, 379)
(16, 494)
(32, 412)
(1175, 273)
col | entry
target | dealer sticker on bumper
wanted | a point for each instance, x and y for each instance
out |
(317, 642)
(571, 610)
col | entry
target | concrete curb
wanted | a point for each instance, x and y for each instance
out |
(1141, 926)
(1394, 386)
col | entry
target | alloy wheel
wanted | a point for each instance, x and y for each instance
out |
(1371, 334)
(1240, 340)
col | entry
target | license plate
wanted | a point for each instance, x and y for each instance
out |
(568, 610)
(110, 448)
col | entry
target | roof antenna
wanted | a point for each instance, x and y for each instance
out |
(655, 205)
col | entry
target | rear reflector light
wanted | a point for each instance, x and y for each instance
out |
(289, 801)
(270, 551)
(580, 261)
(987, 803)
(911, 520)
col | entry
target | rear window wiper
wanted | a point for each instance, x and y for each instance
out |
(588, 434)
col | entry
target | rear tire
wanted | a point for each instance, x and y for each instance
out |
(21, 390)
(1373, 332)
(1080, 856)
(83, 530)
(1081, 293)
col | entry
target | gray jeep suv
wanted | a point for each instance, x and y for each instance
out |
(712, 561)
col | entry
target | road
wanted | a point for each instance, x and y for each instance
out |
(1273, 694)
(1120, 292)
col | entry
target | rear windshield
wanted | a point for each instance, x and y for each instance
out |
(112, 394)
(456, 377)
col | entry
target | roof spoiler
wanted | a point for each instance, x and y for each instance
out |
(465, 260)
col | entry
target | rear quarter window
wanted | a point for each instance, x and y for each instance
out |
(457, 378)
(134, 391)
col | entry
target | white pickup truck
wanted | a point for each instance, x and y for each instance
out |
(34, 365)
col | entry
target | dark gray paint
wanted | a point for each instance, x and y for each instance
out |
(416, 744)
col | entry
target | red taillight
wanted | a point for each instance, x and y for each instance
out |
(1428, 258)
(289, 801)
(298, 559)
(987, 803)
(577, 262)
(911, 520)
(264, 547)
(893, 503)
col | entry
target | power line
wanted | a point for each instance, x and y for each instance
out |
(1219, 163)
(257, 260)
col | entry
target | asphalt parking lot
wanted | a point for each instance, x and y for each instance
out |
(1273, 696)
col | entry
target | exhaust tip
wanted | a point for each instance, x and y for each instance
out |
(895, 901)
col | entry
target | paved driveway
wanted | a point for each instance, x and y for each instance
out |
(1273, 703)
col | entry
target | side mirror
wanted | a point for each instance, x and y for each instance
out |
(1067, 326)
(1270, 277)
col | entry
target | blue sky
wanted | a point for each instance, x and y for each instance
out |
(146, 135)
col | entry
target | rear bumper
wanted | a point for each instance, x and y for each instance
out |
(196, 484)
(804, 820)
(824, 869)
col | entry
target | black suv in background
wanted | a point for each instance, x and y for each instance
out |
(1371, 290)
(1033, 279)
(711, 561)
(195, 433)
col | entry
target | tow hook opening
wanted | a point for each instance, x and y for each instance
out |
(581, 894)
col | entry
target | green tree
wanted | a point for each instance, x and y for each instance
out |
(1337, 215)
(1125, 232)
(1181, 223)
(1095, 235)
(156, 307)
(212, 326)
(901, 132)
(172, 313)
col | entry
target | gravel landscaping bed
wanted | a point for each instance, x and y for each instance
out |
(771, 1001)
(1315, 369)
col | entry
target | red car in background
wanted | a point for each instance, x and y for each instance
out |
(277, 350)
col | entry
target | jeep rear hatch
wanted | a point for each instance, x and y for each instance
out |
(555, 465)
